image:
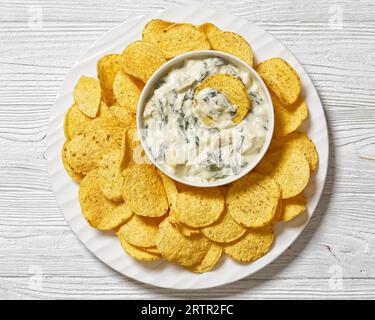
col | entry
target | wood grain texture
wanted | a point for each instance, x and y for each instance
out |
(41, 258)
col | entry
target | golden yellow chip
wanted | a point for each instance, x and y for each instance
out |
(253, 245)
(199, 207)
(123, 116)
(110, 124)
(138, 253)
(144, 192)
(224, 189)
(292, 207)
(300, 141)
(154, 29)
(224, 230)
(87, 95)
(175, 247)
(152, 250)
(209, 261)
(289, 167)
(84, 151)
(141, 231)
(75, 122)
(107, 68)
(119, 215)
(126, 157)
(170, 189)
(252, 200)
(140, 84)
(184, 229)
(74, 175)
(188, 231)
(279, 211)
(126, 91)
(104, 111)
(233, 89)
(179, 38)
(209, 28)
(142, 59)
(287, 119)
(132, 151)
(100, 212)
(232, 43)
(281, 79)
(111, 181)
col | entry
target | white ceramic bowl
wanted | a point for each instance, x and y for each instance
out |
(176, 63)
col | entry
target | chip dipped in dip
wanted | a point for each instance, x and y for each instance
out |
(206, 120)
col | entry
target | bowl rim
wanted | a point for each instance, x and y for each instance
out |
(176, 61)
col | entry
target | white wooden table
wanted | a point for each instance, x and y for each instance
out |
(40, 257)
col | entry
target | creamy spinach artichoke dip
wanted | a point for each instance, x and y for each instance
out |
(183, 144)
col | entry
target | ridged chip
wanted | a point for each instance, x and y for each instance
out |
(281, 79)
(84, 151)
(107, 68)
(292, 207)
(253, 245)
(141, 231)
(100, 212)
(111, 181)
(232, 43)
(233, 89)
(210, 259)
(224, 230)
(123, 115)
(183, 228)
(152, 250)
(170, 189)
(279, 211)
(154, 29)
(289, 167)
(76, 176)
(110, 124)
(142, 59)
(179, 38)
(139, 254)
(144, 192)
(300, 141)
(253, 199)
(119, 215)
(287, 119)
(75, 122)
(199, 207)
(209, 28)
(126, 91)
(175, 247)
(87, 95)
(133, 152)
(127, 149)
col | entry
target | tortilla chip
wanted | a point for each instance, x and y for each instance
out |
(252, 246)
(179, 38)
(175, 247)
(199, 207)
(144, 192)
(281, 79)
(142, 59)
(253, 199)
(107, 68)
(87, 95)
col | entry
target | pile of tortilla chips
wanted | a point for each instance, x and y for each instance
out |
(153, 216)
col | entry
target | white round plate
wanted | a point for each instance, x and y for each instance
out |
(105, 245)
